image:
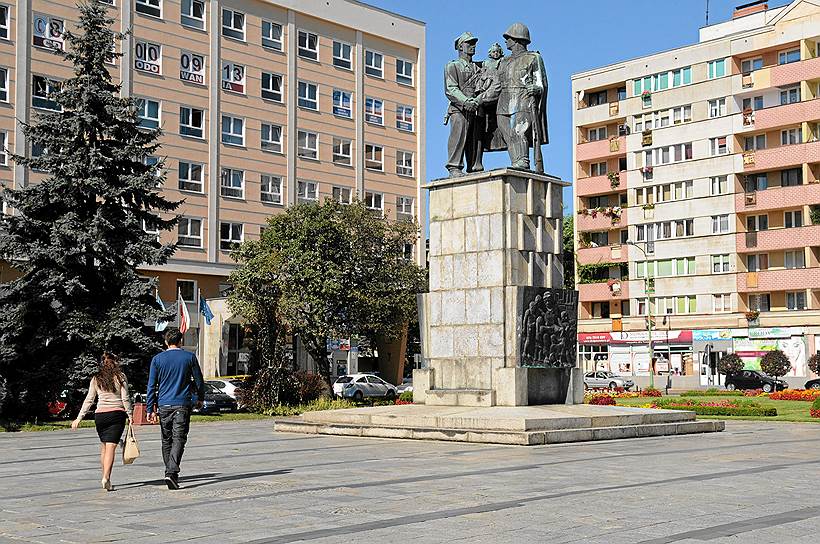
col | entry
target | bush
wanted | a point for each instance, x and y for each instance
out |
(815, 408)
(270, 387)
(407, 396)
(651, 392)
(311, 386)
(775, 363)
(727, 410)
(731, 363)
(712, 392)
(814, 363)
(323, 403)
(600, 400)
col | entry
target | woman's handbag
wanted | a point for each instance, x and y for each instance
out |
(131, 448)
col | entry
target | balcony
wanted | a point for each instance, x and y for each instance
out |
(589, 292)
(600, 221)
(778, 198)
(777, 158)
(605, 254)
(765, 281)
(786, 115)
(777, 239)
(601, 149)
(598, 185)
(795, 72)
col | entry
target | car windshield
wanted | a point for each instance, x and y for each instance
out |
(210, 388)
(344, 379)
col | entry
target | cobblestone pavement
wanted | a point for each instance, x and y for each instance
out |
(755, 482)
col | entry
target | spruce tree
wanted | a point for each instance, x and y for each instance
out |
(78, 236)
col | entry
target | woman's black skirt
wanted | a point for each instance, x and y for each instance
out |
(110, 425)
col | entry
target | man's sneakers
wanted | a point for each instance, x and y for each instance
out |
(171, 481)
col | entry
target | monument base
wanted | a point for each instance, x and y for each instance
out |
(520, 425)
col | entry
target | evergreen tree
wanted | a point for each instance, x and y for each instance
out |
(78, 236)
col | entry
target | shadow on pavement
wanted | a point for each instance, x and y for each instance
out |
(206, 479)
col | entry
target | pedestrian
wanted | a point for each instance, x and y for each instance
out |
(173, 381)
(110, 388)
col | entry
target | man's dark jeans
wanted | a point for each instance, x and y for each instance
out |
(174, 422)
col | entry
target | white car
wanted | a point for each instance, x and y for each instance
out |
(227, 386)
(360, 386)
(606, 380)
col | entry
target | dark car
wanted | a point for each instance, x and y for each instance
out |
(753, 379)
(813, 384)
(216, 401)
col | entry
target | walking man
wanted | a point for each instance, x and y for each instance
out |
(174, 378)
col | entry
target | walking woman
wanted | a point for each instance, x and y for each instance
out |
(113, 409)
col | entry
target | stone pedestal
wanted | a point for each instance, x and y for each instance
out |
(495, 253)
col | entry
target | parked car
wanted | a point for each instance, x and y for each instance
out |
(216, 401)
(606, 380)
(753, 379)
(813, 384)
(231, 387)
(360, 386)
(405, 385)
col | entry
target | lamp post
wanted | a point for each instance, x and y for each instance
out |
(649, 289)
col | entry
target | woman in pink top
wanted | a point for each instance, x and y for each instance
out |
(113, 409)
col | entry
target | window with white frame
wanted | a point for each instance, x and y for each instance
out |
(341, 151)
(148, 112)
(192, 67)
(232, 183)
(682, 114)
(307, 190)
(187, 290)
(272, 86)
(719, 185)
(307, 144)
(666, 268)
(230, 235)
(404, 72)
(663, 80)
(720, 224)
(796, 300)
(374, 64)
(374, 111)
(755, 223)
(720, 263)
(404, 118)
(42, 93)
(754, 103)
(191, 122)
(753, 143)
(271, 138)
(747, 66)
(791, 136)
(374, 201)
(4, 85)
(233, 77)
(790, 95)
(404, 163)
(717, 107)
(189, 232)
(271, 191)
(597, 133)
(757, 262)
(716, 68)
(272, 35)
(4, 140)
(343, 195)
(757, 182)
(342, 55)
(374, 157)
(308, 45)
(794, 259)
(597, 169)
(342, 103)
(791, 177)
(192, 13)
(760, 302)
(233, 24)
(718, 146)
(793, 219)
(149, 7)
(787, 57)
(404, 206)
(307, 95)
(722, 303)
(148, 57)
(233, 130)
(190, 176)
(4, 22)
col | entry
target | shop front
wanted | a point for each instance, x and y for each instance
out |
(627, 353)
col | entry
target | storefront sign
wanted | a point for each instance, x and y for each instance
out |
(636, 337)
(774, 332)
(751, 350)
(704, 335)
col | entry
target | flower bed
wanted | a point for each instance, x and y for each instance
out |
(599, 399)
(755, 393)
(809, 395)
(725, 407)
(651, 392)
(712, 393)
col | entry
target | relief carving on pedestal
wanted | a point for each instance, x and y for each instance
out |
(548, 326)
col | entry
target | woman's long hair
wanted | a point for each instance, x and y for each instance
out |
(110, 377)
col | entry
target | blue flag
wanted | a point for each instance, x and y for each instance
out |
(205, 310)
(160, 326)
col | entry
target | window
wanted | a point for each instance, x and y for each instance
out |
(271, 189)
(404, 163)
(4, 158)
(374, 201)
(720, 263)
(373, 64)
(757, 182)
(600, 310)
(308, 45)
(373, 157)
(753, 104)
(187, 290)
(717, 107)
(791, 136)
(796, 300)
(404, 206)
(342, 55)
(760, 303)
(307, 144)
(341, 151)
(786, 57)
(719, 185)
(271, 138)
(148, 57)
(307, 190)
(233, 77)
(191, 122)
(342, 195)
(621, 93)
(682, 114)
(720, 224)
(190, 177)
(404, 118)
(233, 130)
(271, 35)
(272, 86)
(790, 96)
(599, 239)
(232, 183)
(717, 146)
(793, 219)
(750, 65)
(791, 177)
(193, 14)
(595, 134)
(794, 259)
(148, 113)
(230, 234)
(751, 143)
(597, 98)
(342, 101)
(308, 95)
(404, 72)
(189, 232)
(4, 22)
(755, 223)
(42, 90)
(192, 68)
(4, 85)
(149, 7)
(757, 262)
(597, 169)
(374, 111)
(687, 304)
(716, 68)
(233, 24)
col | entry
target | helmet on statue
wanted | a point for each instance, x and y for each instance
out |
(518, 31)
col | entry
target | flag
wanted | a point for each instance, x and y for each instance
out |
(184, 316)
(160, 326)
(205, 310)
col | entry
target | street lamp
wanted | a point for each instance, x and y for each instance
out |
(649, 289)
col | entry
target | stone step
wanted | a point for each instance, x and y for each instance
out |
(460, 397)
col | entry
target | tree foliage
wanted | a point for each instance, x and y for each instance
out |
(814, 363)
(731, 363)
(78, 236)
(569, 251)
(775, 363)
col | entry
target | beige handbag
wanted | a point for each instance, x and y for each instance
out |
(131, 448)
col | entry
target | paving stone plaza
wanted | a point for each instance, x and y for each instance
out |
(754, 482)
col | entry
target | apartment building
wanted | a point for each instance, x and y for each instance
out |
(697, 199)
(262, 103)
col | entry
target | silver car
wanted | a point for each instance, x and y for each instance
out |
(360, 386)
(606, 380)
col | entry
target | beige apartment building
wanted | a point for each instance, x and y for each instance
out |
(262, 103)
(697, 200)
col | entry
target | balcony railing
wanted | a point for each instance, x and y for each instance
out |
(776, 198)
(780, 157)
(605, 254)
(601, 149)
(588, 292)
(777, 239)
(794, 279)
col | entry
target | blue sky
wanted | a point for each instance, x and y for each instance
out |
(572, 36)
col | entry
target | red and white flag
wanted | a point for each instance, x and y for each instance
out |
(184, 316)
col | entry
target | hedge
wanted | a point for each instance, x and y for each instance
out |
(725, 410)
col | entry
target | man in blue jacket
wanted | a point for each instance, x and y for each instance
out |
(174, 379)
